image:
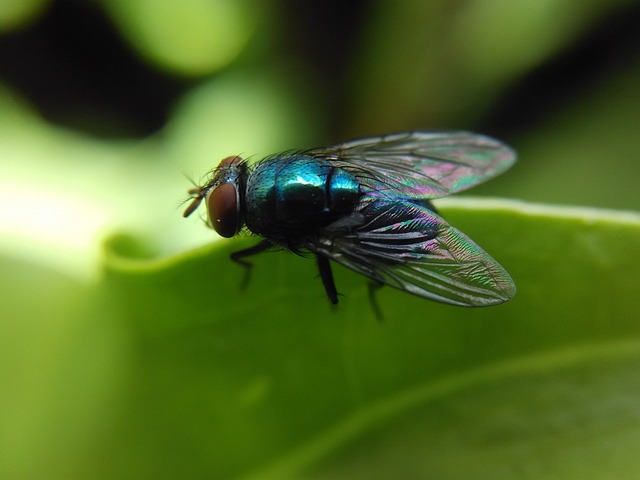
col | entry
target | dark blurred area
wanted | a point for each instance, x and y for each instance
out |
(609, 46)
(72, 64)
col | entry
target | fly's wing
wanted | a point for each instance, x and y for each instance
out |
(409, 247)
(421, 164)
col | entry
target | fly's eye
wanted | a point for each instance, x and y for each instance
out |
(222, 206)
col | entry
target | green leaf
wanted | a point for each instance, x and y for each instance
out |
(166, 369)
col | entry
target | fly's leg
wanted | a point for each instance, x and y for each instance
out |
(373, 299)
(239, 258)
(327, 279)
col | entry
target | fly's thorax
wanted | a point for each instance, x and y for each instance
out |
(288, 194)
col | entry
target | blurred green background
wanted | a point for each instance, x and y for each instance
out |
(108, 107)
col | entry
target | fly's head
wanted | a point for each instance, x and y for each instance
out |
(221, 193)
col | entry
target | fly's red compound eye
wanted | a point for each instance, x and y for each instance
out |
(222, 206)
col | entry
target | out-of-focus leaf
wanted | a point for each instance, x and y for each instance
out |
(192, 37)
(441, 65)
(586, 154)
(17, 13)
(60, 191)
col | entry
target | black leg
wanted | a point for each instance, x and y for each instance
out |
(239, 256)
(327, 279)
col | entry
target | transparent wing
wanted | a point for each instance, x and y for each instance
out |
(422, 164)
(409, 247)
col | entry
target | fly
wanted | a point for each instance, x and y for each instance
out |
(366, 204)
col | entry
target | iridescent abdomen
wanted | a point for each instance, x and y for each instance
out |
(292, 194)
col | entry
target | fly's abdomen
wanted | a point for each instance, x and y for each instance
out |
(297, 193)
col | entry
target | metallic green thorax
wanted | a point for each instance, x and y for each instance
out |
(287, 194)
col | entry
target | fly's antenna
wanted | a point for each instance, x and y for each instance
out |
(197, 195)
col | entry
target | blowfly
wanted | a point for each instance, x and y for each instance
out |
(366, 204)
